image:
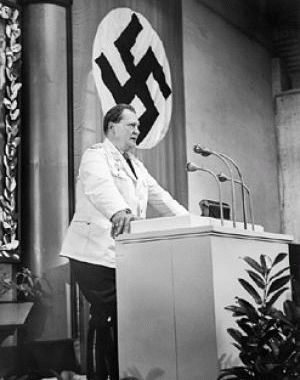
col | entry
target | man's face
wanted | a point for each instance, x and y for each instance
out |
(126, 131)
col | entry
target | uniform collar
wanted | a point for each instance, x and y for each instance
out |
(114, 149)
(117, 155)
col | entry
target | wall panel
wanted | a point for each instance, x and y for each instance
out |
(288, 126)
(229, 108)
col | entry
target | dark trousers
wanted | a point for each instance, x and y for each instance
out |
(98, 285)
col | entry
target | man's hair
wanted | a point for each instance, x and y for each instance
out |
(114, 115)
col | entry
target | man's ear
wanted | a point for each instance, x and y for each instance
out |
(110, 126)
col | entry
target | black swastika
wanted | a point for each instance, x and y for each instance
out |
(136, 84)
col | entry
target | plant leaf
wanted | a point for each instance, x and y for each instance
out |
(291, 310)
(235, 373)
(279, 316)
(236, 310)
(236, 335)
(274, 347)
(269, 324)
(279, 273)
(286, 349)
(244, 325)
(249, 309)
(278, 283)
(250, 289)
(254, 264)
(259, 281)
(275, 296)
(271, 335)
(281, 256)
(263, 263)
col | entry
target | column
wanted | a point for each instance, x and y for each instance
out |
(45, 132)
(46, 160)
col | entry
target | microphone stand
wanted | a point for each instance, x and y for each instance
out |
(222, 178)
(243, 186)
(205, 152)
(190, 167)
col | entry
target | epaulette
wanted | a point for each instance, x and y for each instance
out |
(96, 146)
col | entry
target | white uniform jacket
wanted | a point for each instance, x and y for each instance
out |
(105, 185)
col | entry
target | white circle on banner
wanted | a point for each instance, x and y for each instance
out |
(130, 66)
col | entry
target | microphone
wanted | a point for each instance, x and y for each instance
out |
(223, 178)
(191, 167)
(207, 152)
(243, 187)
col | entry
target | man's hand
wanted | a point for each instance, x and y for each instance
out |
(121, 222)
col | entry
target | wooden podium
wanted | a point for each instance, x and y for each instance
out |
(174, 278)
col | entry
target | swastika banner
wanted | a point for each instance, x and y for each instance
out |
(130, 66)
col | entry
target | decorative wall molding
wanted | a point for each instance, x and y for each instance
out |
(10, 85)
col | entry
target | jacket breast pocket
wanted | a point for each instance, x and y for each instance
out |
(77, 237)
(124, 183)
(118, 173)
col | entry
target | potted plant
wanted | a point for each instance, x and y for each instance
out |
(268, 339)
(26, 286)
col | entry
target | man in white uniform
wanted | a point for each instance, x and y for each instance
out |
(113, 188)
